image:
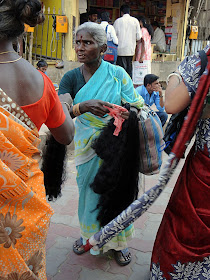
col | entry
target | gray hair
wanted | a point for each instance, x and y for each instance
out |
(95, 30)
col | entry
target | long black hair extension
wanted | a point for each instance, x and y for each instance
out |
(117, 177)
(53, 166)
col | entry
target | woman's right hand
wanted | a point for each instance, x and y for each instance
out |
(95, 106)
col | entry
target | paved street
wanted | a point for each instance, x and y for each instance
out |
(63, 264)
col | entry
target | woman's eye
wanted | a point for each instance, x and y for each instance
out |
(78, 43)
(88, 43)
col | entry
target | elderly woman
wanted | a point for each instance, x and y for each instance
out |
(95, 84)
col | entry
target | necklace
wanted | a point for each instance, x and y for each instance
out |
(7, 52)
(10, 61)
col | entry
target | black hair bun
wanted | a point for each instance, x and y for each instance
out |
(13, 15)
(29, 11)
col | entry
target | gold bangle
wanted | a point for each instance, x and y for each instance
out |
(67, 104)
(76, 110)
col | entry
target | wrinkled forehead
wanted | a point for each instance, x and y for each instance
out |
(84, 35)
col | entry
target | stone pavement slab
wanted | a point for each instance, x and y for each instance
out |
(63, 264)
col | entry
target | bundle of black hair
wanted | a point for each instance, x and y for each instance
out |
(117, 177)
(53, 166)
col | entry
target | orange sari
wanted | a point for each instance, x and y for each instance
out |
(24, 211)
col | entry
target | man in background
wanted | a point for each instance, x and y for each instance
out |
(152, 93)
(159, 38)
(93, 15)
(111, 34)
(112, 40)
(128, 32)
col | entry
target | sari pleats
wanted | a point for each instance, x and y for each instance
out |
(184, 233)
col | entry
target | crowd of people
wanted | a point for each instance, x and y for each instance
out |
(134, 37)
(28, 99)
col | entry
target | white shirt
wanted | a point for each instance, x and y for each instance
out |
(128, 32)
(159, 39)
(111, 34)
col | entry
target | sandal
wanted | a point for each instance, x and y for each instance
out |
(78, 247)
(123, 257)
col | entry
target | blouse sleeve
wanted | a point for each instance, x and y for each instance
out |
(66, 84)
(56, 115)
(190, 72)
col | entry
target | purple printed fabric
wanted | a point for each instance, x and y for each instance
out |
(189, 70)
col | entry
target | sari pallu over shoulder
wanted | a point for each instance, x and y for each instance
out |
(24, 212)
(109, 83)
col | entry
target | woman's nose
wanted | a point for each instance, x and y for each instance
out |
(81, 46)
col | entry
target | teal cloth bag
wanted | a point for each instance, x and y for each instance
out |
(151, 140)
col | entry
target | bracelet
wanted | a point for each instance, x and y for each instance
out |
(76, 110)
(174, 74)
(67, 104)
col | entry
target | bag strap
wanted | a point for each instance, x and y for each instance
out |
(204, 61)
(106, 28)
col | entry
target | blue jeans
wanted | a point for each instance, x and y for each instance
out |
(163, 116)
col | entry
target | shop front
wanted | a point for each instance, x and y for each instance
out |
(170, 14)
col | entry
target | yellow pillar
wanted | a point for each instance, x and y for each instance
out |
(71, 10)
(185, 28)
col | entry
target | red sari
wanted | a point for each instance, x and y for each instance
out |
(182, 246)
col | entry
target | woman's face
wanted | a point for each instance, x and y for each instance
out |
(43, 69)
(87, 48)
